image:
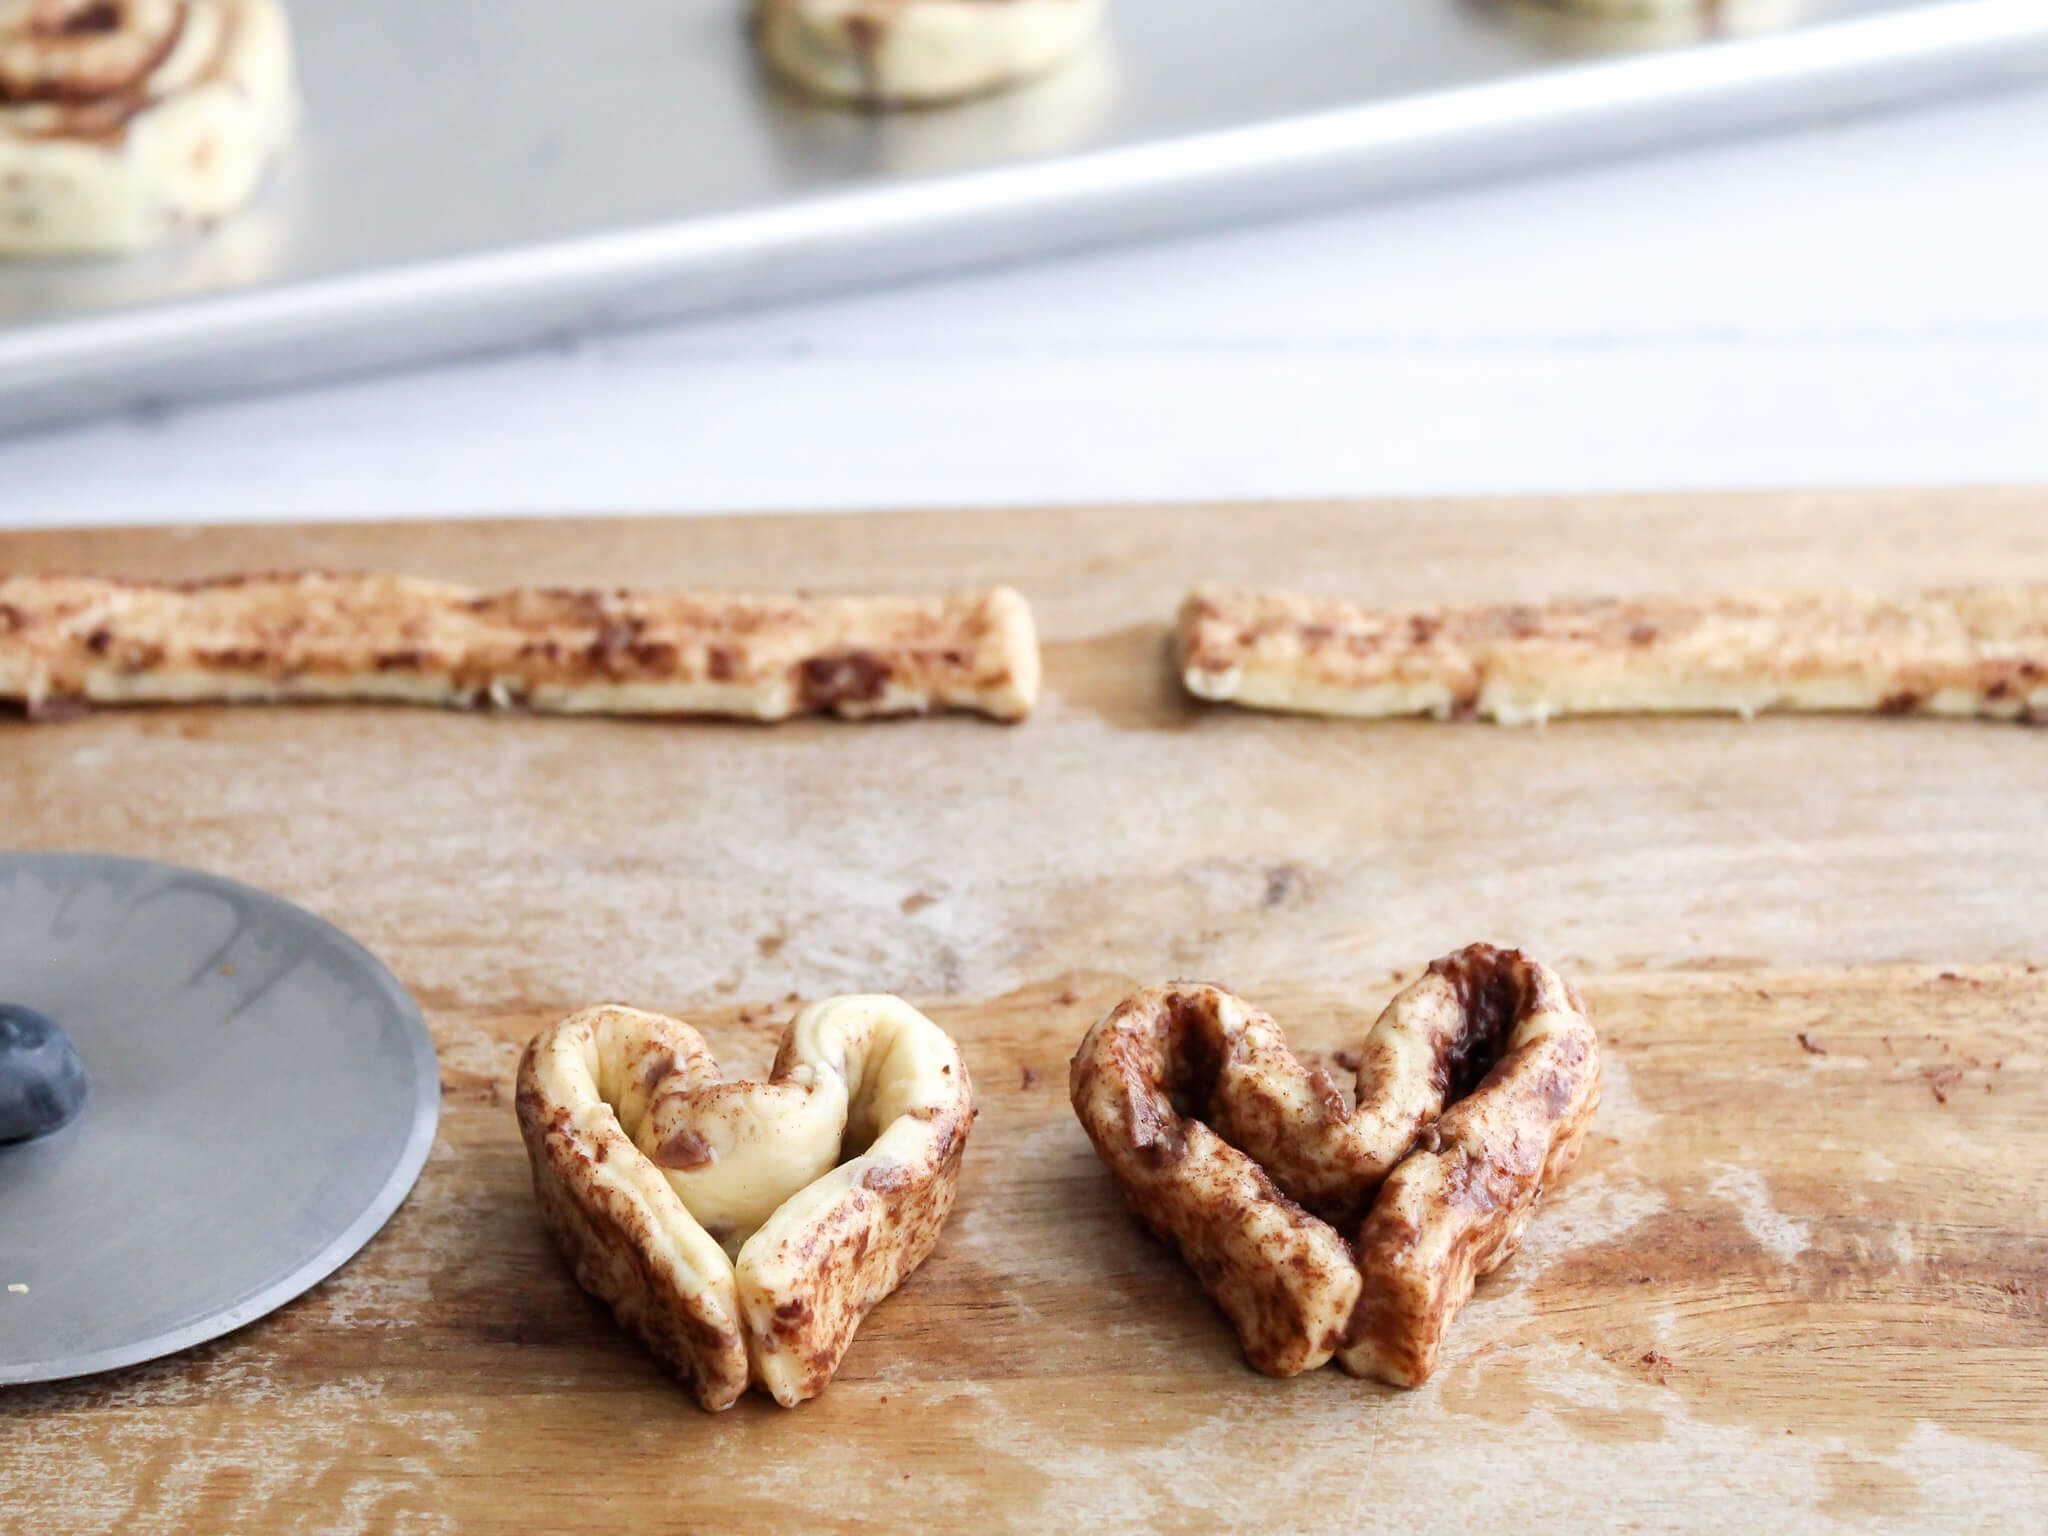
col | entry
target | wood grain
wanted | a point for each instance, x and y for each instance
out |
(1789, 1285)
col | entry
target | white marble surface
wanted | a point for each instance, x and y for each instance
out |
(1863, 303)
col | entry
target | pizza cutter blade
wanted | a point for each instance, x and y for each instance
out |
(261, 1095)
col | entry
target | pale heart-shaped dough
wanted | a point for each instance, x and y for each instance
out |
(746, 1228)
(1475, 1088)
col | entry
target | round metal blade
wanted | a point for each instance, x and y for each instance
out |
(261, 1095)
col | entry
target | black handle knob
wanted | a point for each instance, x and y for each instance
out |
(42, 1081)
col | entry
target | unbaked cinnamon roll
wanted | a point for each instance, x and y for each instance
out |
(916, 52)
(123, 122)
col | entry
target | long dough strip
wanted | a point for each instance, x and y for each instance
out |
(1970, 651)
(915, 52)
(70, 641)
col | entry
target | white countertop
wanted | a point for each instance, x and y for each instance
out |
(1864, 303)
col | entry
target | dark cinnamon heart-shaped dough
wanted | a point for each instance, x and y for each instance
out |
(1474, 1091)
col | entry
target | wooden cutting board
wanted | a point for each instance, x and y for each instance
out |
(1798, 1282)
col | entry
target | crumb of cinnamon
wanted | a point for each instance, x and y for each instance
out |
(1941, 1080)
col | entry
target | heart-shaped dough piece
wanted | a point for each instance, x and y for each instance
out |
(742, 1230)
(1474, 1091)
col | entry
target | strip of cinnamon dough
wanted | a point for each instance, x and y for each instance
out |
(66, 642)
(1968, 651)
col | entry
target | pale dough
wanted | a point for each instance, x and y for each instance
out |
(1971, 651)
(123, 122)
(742, 1230)
(911, 52)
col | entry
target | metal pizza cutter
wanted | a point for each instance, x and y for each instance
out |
(259, 1095)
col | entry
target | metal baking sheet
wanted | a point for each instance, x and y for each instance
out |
(477, 174)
